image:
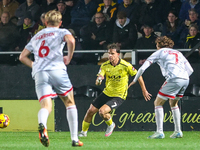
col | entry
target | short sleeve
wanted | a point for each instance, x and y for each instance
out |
(64, 32)
(29, 46)
(131, 70)
(101, 71)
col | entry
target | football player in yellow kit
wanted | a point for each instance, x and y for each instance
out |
(117, 73)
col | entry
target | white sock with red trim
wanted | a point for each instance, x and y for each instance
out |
(177, 118)
(159, 115)
(43, 116)
(72, 118)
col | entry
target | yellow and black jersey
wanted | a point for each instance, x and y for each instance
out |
(112, 10)
(117, 78)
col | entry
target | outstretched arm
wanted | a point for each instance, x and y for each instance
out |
(139, 73)
(145, 93)
(138, 77)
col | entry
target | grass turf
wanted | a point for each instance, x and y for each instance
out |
(96, 140)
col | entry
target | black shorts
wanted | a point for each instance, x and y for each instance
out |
(112, 102)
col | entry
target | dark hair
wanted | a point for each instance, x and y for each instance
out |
(121, 15)
(114, 46)
(173, 12)
(194, 10)
(147, 25)
(194, 25)
(6, 12)
(169, 27)
(164, 41)
(28, 15)
(103, 14)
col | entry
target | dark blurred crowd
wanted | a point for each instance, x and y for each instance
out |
(132, 24)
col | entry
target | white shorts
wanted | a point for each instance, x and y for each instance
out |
(52, 83)
(173, 88)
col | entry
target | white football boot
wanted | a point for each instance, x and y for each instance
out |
(177, 134)
(157, 135)
(110, 129)
(82, 134)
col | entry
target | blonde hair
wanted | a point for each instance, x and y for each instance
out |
(164, 41)
(53, 17)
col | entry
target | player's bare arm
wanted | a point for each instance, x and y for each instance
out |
(24, 58)
(145, 93)
(99, 80)
(131, 84)
(70, 46)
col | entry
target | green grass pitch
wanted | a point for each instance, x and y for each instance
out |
(119, 140)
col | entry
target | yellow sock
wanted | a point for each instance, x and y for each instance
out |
(85, 126)
(109, 122)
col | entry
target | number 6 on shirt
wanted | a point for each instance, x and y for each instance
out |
(44, 50)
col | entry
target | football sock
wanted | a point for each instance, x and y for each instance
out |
(159, 115)
(43, 116)
(85, 126)
(177, 118)
(109, 122)
(72, 118)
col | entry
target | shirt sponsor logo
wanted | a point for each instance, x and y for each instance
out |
(114, 77)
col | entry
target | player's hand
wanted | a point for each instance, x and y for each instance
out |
(147, 95)
(99, 80)
(66, 60)
(131, 84)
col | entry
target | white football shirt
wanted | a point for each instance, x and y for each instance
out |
(47, 47)
(172, 64)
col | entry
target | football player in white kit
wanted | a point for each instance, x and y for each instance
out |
(176, 70)
(50, 73)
